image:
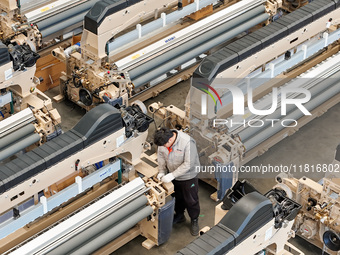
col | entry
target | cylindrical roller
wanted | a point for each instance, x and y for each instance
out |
(98, 227)
(112, 232)
(17, 135)
(157, 68)
(18, 146)
(252, 131)
(193, 43)
(295, 115)
(47, 31)
(65, 15)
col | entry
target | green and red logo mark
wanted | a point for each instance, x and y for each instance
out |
(208, 92)
(204, 98)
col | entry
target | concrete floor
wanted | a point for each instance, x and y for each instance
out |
(315, 143)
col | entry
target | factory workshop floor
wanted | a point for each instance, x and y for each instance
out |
(313, 144)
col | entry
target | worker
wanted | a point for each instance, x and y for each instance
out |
(177, 158)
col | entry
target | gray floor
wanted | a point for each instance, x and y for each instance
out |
(315, 143)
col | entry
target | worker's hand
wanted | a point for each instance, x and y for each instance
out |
(168, 178)
(160, 175)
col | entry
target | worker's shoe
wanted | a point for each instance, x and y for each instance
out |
(194, 228)
(179, 218)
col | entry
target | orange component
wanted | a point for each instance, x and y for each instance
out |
(62, 184)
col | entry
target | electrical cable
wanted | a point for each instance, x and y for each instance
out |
(163, 122)
(153, 116)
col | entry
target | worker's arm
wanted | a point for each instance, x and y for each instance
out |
(161, 162)
(190, 153)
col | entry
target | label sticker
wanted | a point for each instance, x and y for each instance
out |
(120, 140)
(8, 74)
(269, 233)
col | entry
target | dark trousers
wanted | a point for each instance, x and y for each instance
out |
(186, 195)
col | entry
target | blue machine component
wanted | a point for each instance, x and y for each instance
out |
(99, 164)
(224, 178)
(165, 219)
(113, 102)
(277, 15)
(57, 132)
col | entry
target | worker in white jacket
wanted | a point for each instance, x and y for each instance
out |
(177, 162)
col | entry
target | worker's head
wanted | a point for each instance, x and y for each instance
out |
(163, 137)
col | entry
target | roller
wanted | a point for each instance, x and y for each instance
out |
(19, 145)
(63, 24)
(297, 114)
(17, 135)
(112, 232)
(321, 86)
(54, 20)
(95, 229)
(193, 48)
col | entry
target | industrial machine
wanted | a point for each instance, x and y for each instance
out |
(89, 229)
(112, 67)
(64, 188)
(59, 19)
(259, 89)
(14, 27)
(318, 219)
(18, 90)
(21, 103)
(44, 21)
(43, 24)
(250, 224)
